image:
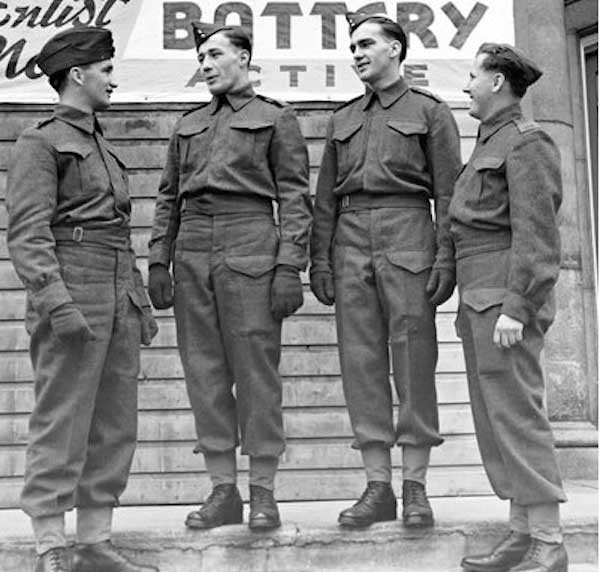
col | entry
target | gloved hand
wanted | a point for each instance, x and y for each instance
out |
(321, 284)
(149, 326)
(286, 291)
(69, 325)
(160, 287)
(440, 285)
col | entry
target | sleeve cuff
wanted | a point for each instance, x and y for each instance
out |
(159, 255)
(293, 255)
(50, 297)
(517, 307)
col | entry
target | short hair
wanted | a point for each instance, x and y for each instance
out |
(519, 71)
(240, 39)
(58, 80)
(392, 30)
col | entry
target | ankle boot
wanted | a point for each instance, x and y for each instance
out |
(376, 504)
(223, 506)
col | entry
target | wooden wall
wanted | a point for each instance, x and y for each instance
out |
(318, 463)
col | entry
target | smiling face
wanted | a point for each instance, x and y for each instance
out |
(97, 84)
(482, 86)
(225, 66)
(376, 56)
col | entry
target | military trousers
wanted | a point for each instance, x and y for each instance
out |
(506, 386)
(228, 339)
(82, 431)
(382, 261)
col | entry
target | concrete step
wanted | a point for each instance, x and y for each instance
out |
(311, 541)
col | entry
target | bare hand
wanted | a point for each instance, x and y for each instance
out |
(507, 332)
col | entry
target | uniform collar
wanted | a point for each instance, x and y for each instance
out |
(499, 120)
(236, 100)
(77, 118)
(387, 96)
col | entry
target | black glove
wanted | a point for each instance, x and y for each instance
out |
(440, 285)
(69, 324)
(321, 284)
(160, 287)
(149, 326)
(286, 291)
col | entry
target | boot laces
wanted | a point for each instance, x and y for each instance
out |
(415, 494)
(534, 551)
(56, 560)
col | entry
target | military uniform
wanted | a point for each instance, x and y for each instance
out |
(226, 164)
(503, 224)
(386, 155)
(68, 237)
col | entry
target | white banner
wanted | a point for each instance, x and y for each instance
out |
(301, 48)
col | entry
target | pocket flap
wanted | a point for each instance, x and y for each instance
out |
(251, 125)
(138, 298)
(407, 127)
(253, 265)
(480, 299)
(414, 261)
(192, 129)
(343, 132)
(69, 147)
(482, 163)
(113, 151)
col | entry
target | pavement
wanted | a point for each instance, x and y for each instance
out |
(311, 541)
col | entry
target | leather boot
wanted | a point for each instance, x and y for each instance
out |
(223, 506)
(509, 552)
(264, 513)
(544, 557)
(376, 504)
(54, 560)
(416, 511)
(104, 557)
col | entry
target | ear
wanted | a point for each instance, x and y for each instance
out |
(76, 74)
(244, 57)
(395, 49)
(498, 81)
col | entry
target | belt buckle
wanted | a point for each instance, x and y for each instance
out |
(78, 234)
(345, 201)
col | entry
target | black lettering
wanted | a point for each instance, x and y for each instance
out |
(414, 75)
(329, 75)
(15, 51)
(242, 10)
(328, 11)
(179, 16)
(26, 14)
(283, 12)
(6, 18)
(419, 25)
(293, 71)
(464, 26)
(47, 18)
(101, 19)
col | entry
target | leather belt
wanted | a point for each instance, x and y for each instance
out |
(362, 200)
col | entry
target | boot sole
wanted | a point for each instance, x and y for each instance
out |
(263, 524)
(349, 522)
(236, 517)
(419, 521)
(475, 568)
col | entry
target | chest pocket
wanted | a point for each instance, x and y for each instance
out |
(490, 185)
(118, 169)
(74, 169)
(402, 144)
(347, 141)
(249, 142)
(194, 144)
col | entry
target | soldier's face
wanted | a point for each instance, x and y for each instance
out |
(481, 88)
(374, 53)
(97, 83)
(224, 65)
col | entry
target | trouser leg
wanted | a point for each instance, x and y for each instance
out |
(263, 471)
(49, 532)
(377, 460)
(415, 462)
(544, 522)
(513, 432)
(94, 524)
(242, 275)
(519, 519)
(221, 467)
(208, 378)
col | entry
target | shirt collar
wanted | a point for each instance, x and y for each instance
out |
(387, 96)
(498, 120)
(236, 100)
(77, 118)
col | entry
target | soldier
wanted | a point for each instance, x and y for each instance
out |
(377, 254)
(504, 227)
(236, 275)
(68, 237)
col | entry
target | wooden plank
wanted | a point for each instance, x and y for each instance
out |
(343, 484)
(304, 454)
(301, 423)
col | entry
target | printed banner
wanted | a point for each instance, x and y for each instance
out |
(301, 48)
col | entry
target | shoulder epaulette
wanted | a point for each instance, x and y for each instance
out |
(45, 121)
(525, 125)
(347, 103)
(426, 93)
(270, 100)
(202, 105)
